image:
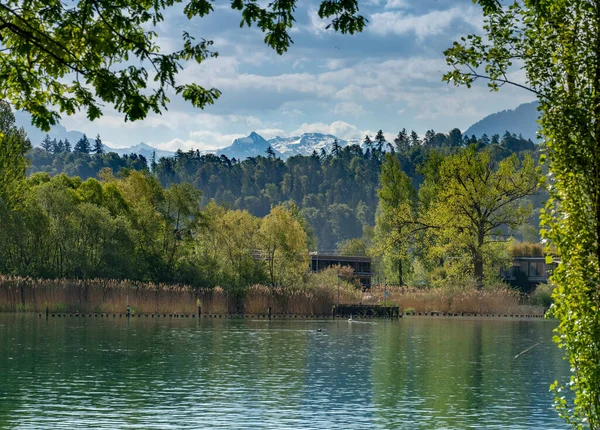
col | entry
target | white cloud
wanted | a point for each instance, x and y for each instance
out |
(317, 25)
(340, 129)
(349, 108)
(396, 4)
(202, 140)
(430, 24)
(269, 133)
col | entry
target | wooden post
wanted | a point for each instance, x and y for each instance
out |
(269, 312)
(47, 313)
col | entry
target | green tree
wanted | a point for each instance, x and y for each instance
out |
(47, 144)
(396, 219)
(474, 199)
(557, 42)
(83, 145)
(44, 43)
(13, 164)
(283, 245)
(98, 146)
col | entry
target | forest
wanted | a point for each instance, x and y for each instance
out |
(210, 221)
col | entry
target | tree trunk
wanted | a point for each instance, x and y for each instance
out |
(400, 275)
(478, 259)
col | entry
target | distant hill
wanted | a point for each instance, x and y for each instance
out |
(59, 132)
(141, 149)
(521, 120)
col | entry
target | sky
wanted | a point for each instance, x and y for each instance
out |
(387, 77)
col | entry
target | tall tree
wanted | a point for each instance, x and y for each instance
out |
(402, 142)
(67, 145)
(98, 146)
(47, 144)
(558, 44)
(13, 147)
(396, 219)
(475, 199)
(83, 145)
(336, 148)
(379, 141)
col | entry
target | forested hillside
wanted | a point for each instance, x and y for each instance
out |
(336, 192)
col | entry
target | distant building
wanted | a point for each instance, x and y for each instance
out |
(360, 264)
(527, 272)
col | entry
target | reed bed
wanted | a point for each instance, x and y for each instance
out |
(495, 300)
(22, 294)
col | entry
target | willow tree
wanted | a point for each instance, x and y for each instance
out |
(557, 44)
(58, 57)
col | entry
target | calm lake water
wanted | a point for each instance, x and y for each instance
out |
(412, 373)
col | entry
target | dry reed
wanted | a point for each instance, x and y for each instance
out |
(497, 300)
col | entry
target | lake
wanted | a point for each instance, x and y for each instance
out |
(183, 373)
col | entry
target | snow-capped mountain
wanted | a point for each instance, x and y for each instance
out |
(250, 146)
(305, 144)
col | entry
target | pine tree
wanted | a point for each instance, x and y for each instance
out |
(414, 139)
(58, 147)
(153, 162)
(379, 140)
(455, 138)
(270, 153)
(335, 148)
(67, 145)
(47, 144)
(429, 137)
(83, 145)
(368, 143)
(402, 143)
(98, 147)
(485, 139)
(495, 139)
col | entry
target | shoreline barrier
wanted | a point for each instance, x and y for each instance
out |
(267, 316)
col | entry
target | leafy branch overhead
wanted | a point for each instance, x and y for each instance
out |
(60, 57)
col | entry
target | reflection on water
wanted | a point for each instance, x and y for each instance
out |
(411, 373)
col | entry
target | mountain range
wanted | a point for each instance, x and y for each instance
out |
(521, 120)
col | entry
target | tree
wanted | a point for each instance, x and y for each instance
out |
(414, 139)
(58, 146)
(396, 217)
(83, 145)
(45, 44)
(13, 147)
(335, 148)
(67, 145)
(558, 44)
(402, 142)
(98, 146)
(475, 199)
(283, 245)
(47, 144)
(379, 141)
(455, 138)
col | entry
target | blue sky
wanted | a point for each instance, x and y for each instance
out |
(387, 77)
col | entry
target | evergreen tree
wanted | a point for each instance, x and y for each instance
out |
(368, 142)
(495, 139)
(67, 145)
(485, 139)
(270, 153)
(153, 162)
(414, 139)
(47, 144)
(379, 141)
(83, 145)
(455, 138)
(402, 143)
(98, 146)
(58, 147)
(335, 149)
(429, 138)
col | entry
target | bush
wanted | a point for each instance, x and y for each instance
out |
(542, 296)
